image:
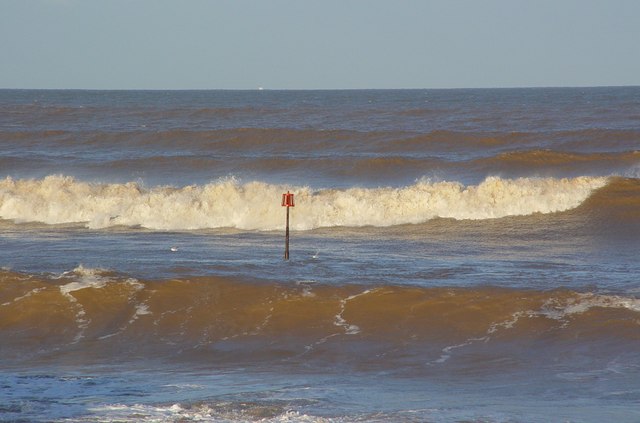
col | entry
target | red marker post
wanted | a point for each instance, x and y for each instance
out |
(287, 201)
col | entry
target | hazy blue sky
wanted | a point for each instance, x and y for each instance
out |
(185, 44)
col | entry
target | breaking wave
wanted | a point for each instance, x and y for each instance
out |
(228, 203)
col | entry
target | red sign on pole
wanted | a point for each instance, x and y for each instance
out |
(287, 200)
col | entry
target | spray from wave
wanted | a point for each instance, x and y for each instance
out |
(255, 205)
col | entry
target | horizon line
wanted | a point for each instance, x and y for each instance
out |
(328, 89)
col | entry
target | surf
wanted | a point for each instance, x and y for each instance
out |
(230, 203)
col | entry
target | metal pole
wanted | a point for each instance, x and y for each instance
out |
(286, 242)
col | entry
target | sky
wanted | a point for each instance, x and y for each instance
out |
(322, 44)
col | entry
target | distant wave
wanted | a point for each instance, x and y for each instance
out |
(209, 140)
(562, 158)
(364, 168)
(538, 159)
(60, 199)
(41, 111)
(287, 139)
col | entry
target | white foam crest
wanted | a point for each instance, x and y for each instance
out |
(177, 412)
(633, 171)
(27, 295)
(448, 351)
(555, 309)
(560, 310)
(86, 278)
(256, 205)
(339, 320)
(508, 324)
(141, 310)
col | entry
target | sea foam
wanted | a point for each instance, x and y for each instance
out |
(256, 205)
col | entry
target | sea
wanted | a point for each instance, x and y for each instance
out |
(463, 255)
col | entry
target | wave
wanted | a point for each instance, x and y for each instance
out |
(291, 139)
(554, 158)
(548, 160)
(101, 310)
(228, 203)
(298, 140)
(147, 112)
(597, 139)
(618, 204)
(209, 140)
(445, 140)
